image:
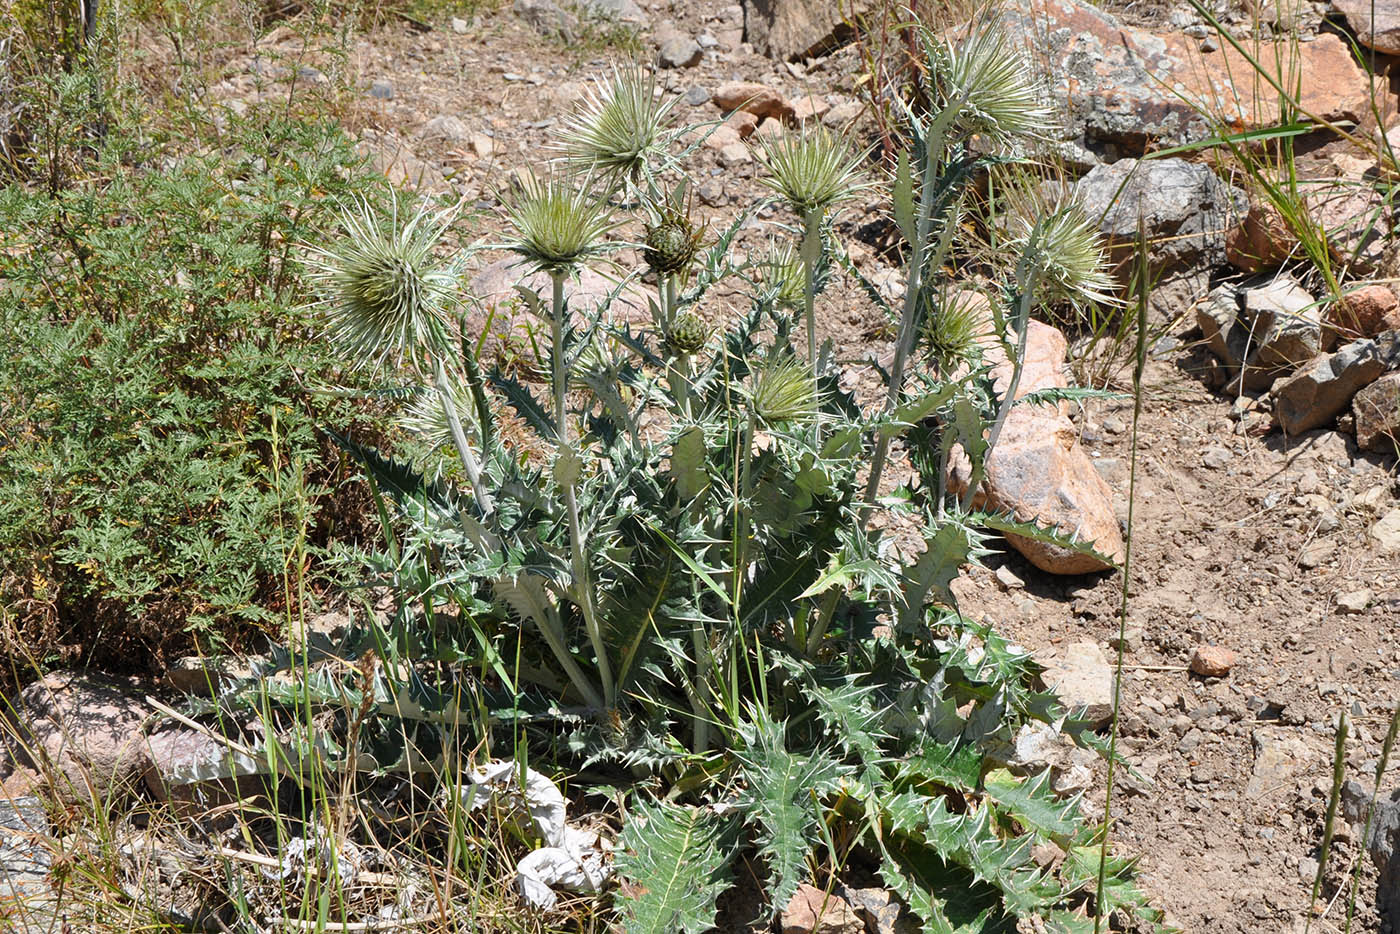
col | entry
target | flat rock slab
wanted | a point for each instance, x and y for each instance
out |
(1132, 88)
(1083, 678)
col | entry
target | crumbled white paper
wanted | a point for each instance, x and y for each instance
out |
(572, 859)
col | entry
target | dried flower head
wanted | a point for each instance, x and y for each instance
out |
(559, 224)
(1002, 100)
(783, 392)
(385, 294)
(781, 279)
(427, 417)
(813, 169)
(623, 124)
(955, 324)
(1066, 249)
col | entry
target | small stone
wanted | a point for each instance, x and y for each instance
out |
(1323, 388)
(842, 114)
(1114, 425)
(712, 193)
(1377, 415)
(1209, 44)
(754, 98)
(1217, 458)
(878, 907)
(810, 108)
(707, 41)
(1008, 579)
(734, 154)
(813, 911)
(1315, 553)
(1307, 870)
(382, 89)
(1366, 312)
(1386, 532)
(697, 96)
(1354, 601)
(446, 127)
(1278, 756)
(1131, 641)
(1212, 661)
(459, 25)
(679, 51)
(482, 145)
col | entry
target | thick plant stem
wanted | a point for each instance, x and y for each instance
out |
(811, 255)
(459, 439)
(1029, 278)
(569, 480)
(904, 340)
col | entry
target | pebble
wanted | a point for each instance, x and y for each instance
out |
(1008, 578)
(1354, 601)
(1307, 869)
(1216, 458)
(1114, 425)
(679, 52)
(459, 26)
(1212, 661)
(697, 96)
(382, 89)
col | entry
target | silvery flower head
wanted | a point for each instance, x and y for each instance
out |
(991, 82)
(386, 296)
(812, 169)
(623, 125)
(559, 222)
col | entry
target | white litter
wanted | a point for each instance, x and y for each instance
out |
(572, 859)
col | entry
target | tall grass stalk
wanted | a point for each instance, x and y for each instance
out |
(1339, 768)
(1139, 364)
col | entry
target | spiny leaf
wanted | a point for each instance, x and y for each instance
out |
(1006, 523)
(675, 861)
(783, 798)
(525, 404)
(1032, 802)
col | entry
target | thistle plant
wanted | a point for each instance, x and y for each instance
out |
(980, 86)
(670, 246)
(698, 612)
(781, 281)
(559, 225)
(987, 84)
(812, 171)
(623, 125)
(387, 299)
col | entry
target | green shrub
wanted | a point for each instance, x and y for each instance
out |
(162, 480)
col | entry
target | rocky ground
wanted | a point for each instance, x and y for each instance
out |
(1265, 563)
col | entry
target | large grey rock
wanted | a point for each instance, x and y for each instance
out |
(790, 30)
(1377, 413)
(184, 761)
(562, 19)
(24, 860)
(1321, 390)
(1185, 209)
(1383, 844)
(1261, 330)
(1125, 91)
(1376, 23)
(1279, 757)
